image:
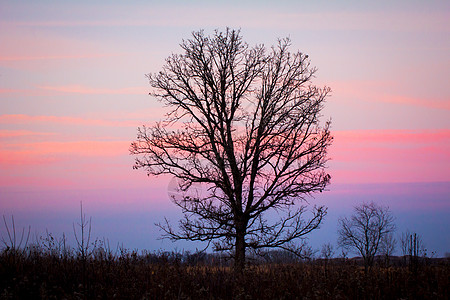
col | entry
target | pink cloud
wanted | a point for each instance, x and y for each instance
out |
(27, 119)
(22, 133)
(9, 91)
(72, 23)
(53, 57)
(71, 148)
(27, 158)
(362, 156)
(390, 156)
(80, 162)
(83, 148)
(24, 92)
(78, 89)
(259, 17)
(429, 102)
(76, 164)
(383, 91)
(33, 50)
(30, 181)
(393, 136)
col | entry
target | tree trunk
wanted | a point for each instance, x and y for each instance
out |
(368, 263)
(239, 256)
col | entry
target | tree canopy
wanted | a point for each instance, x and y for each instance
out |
(367, 230)
(244, 122)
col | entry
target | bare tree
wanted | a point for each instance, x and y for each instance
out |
(327, 251)
(84, 237)
(245, 124)
(412, 244)
(412, 248)
(365, 230)
(387, 247)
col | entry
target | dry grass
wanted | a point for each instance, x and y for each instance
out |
(39, 274)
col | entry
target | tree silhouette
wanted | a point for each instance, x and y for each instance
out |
(244, 124)
(366, 230)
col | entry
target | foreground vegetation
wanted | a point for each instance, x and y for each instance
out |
(44, 273)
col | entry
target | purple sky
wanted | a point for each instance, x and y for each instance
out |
(73, 92)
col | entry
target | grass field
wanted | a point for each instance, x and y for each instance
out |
(39, 273)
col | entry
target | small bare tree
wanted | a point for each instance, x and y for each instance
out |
(412, 248)
(387, 247)
(365, 230)
(327, 251)
(13, 244)
(84, 237)
(244, 124)
(412, 244)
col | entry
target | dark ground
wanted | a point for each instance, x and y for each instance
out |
(45, 275)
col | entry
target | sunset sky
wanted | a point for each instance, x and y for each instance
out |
(73, 92)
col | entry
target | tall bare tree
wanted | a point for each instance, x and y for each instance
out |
(243, 122)
(366, 230)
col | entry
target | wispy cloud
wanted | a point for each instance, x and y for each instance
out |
(29, 154)
(383, 91)
(79, 89)
(22, 133)
(429, 102)
(54, 57)
(14, 92)
(260, 17)
(65, 120)
(81, 23)
(80, 148)
(390, 156)
(73, 89)
(393, 137)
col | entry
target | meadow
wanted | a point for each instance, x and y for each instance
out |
(49, 270)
